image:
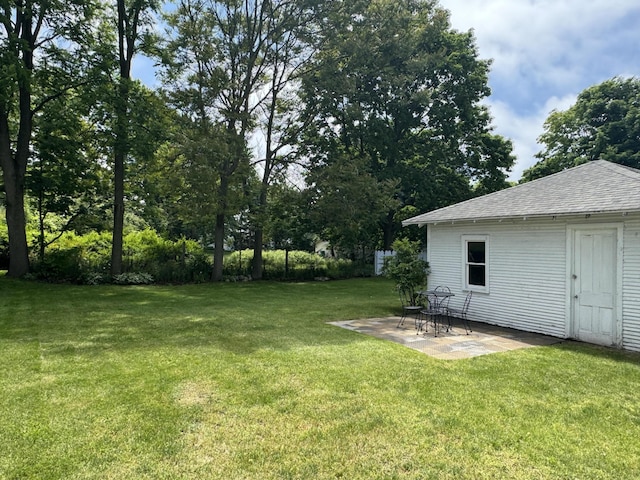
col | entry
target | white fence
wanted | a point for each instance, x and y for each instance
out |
(380, 255)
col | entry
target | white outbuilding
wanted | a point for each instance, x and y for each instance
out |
(559, 255)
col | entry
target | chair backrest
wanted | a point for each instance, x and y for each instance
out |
(434, 302)
(444, 302)
(467, 301)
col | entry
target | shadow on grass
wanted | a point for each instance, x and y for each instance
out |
(596, 351)
(240, 318)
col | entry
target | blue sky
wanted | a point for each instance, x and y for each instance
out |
(544, 53)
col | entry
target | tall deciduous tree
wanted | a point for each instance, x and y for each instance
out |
(231, 59)
(603, 124)
(395, 84)
(287, 55)
(132, 18)
(34, 70)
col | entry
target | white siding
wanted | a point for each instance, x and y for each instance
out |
(528, 285)
(631, 285)
(527, 270)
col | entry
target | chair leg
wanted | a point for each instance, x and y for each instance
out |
(467, 326)
(422, 321)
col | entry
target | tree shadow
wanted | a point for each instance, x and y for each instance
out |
(238, 318)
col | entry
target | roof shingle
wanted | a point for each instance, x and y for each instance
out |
(594, 187)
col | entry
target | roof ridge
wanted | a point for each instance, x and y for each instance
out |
(620, 168)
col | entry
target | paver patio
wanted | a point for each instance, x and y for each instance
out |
(451, 345)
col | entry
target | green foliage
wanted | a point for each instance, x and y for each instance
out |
(167, 261)
(133, 279)
(300, 266)
(66, 181)
(4, 242)
(396, 93)
(603, 124)
(406, 268)
(147, 257)
(287, 224)
(348, 203)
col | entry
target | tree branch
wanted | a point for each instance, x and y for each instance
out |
(55, 96)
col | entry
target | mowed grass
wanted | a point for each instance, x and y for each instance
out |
(247, 381)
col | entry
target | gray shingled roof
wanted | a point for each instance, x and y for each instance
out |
(593, 187)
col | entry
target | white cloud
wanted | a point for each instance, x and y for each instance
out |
(523, 130)
(544, 53)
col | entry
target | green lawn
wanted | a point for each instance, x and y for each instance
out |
(247, 381)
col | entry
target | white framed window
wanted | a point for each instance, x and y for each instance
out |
(475, 259)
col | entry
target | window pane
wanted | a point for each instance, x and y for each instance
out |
(476, 275)
(475, 252)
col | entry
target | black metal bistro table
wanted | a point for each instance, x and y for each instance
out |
(437, 304)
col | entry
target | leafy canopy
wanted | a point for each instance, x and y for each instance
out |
(603, 124)
(397, 91)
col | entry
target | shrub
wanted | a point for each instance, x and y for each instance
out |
(406, 268)
(4, 245)
(86, 259)
(148, 257)
(182, 261)
(298, 265)
(131, 278)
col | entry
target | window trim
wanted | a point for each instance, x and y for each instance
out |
(466, 239)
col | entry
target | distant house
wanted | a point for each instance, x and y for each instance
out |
(559, 255)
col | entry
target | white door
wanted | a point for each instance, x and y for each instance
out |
(594, 316)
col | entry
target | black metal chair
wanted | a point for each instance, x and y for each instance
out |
(436, 309)
(461, 313)
(443, 293)
(411, 306)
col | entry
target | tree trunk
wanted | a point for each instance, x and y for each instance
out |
(218, 252)
(14, 168)
(127, 34)
(388, 232)
(256, 265)
(16, 222)
(41, 217)
(218, 234)
(118, 216)
(258, 237)
(120, 154)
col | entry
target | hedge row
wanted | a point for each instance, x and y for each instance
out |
(293, 265)
(148, 258)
